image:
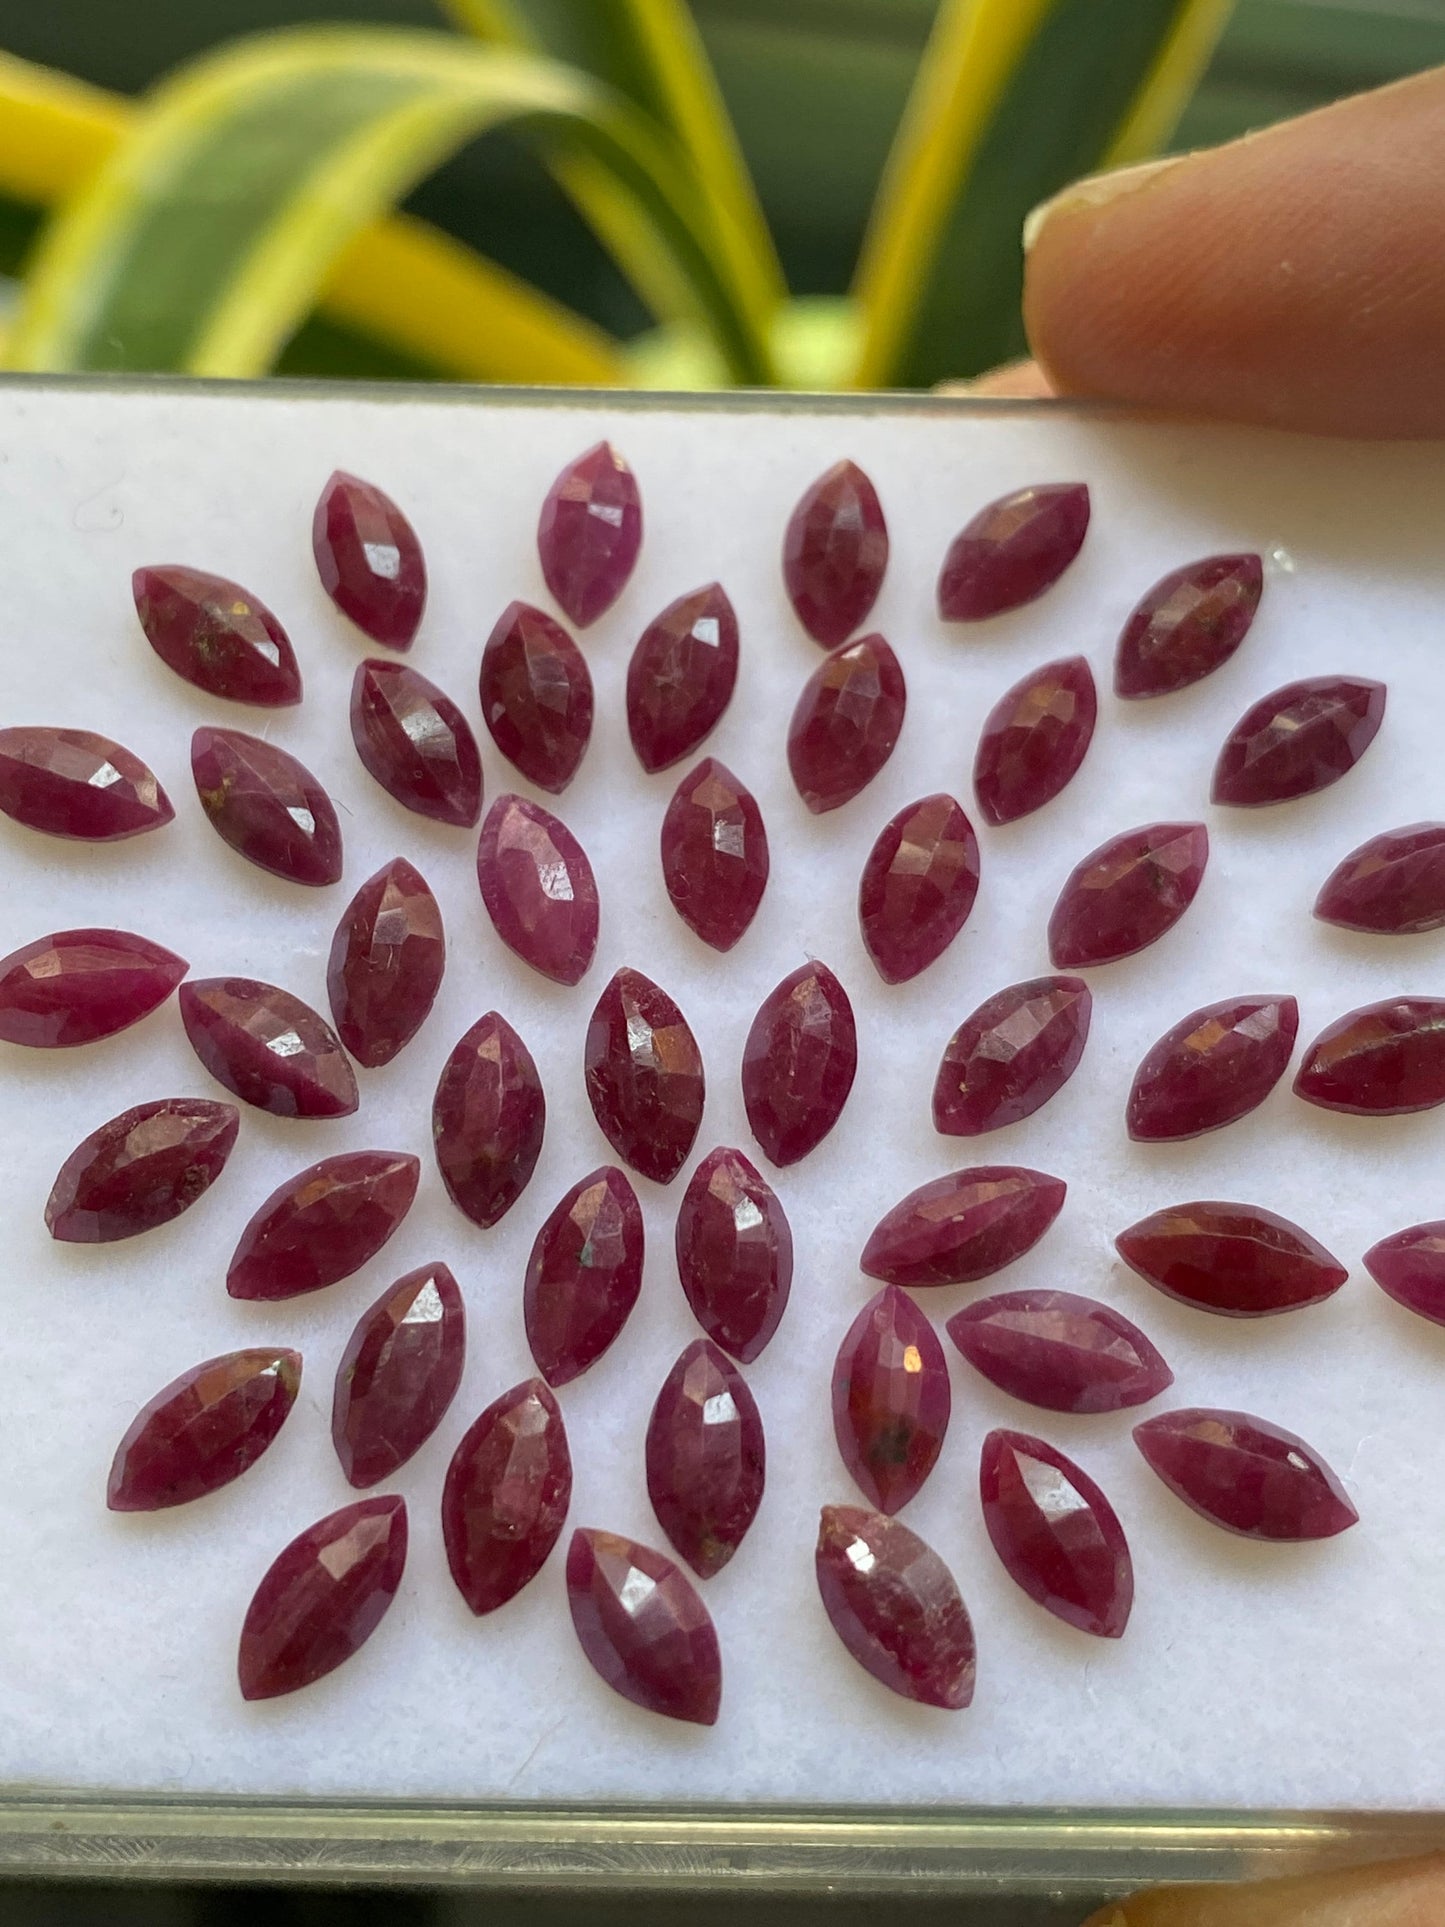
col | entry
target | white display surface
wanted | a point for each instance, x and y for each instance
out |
(1250, 1675)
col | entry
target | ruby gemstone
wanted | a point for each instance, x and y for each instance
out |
(1034, 739)
(416, 743)
(73, 783)
(1235, 1259)
(918, 887)
(681, 676)
(714, 854)
(644, 1076)
(1246, 1475)
(140, 1170)
(536, 692)
(891, 1399)
(1409, 1267)
(895, 1606)
(1297, 740)
(1216, 1065)
(268, 1047)
(538, 888)
(323, 1224)
(1010, 1057)
(399, 1373)
(506, 1495)
(590, 532)
(1379, 1061)
(584, 1275)
(1392, 886)
(643, 1627)
(734, 1253)
(488, 1120)
(267, 806)
(216, 635)
(1057, 1350)
(846, 722)
(1012, 551)
(386, 963)
(834, 553)
(962, 1227)
(1188, 625)
(78, 986)
(203, 1430)
(1127, 894)
(323, 1597)
(799, 1062)
(705, 1458)
(369, 560)
(1056, 1534)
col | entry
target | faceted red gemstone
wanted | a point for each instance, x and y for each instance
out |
(267, 806)
(846, 722)
(919, 884)
(1216, 1065)
(1380, 1060)
(323, 1597)
(589, 533)
(834, 553)
(203, 1430)
(1392, 886)
(705, 1458)
(891, 1400)
(895, 1606)
(1410, 1267)
(386, 963)
(644, 1076)
(323, 1224)
(962, 1227)
(538, 888)
(369, 560)
(584, 1275)
(268, 1047)
(1009, 1058)
(1056, 1534)
(714, 854)
(1188, 625)
(1034, 739)
(734, 1253)
(1060, 1351)
(217, 635)
(536, 692)
(81, 985)
(72, 783)
(681, 676)
(399, 1373)
(416, 743)
(1012, 551)
(799, 1063)
(643, 1628)
(1235, 1259)
(506, 1495)
(1126, 894)
(1297, 740)
(488, 1119)
(1245, 1474)
(140, 1170)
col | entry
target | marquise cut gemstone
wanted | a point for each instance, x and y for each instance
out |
(706, 1458)
(1056, 1534)
(416, 743)
(644, 1076)
(488, 1120)
(1127, 894)
(681, 676)
(1012, 551)
(267, 806)
(643, 1627)
(323, 1224)
(536, 692)
(1007, 1060)
(1059, 1351)
(1236, 1259)
(1392, 886)
(891, 1399)
(962, 1227)
(1188, 625)
(1214, 1066)
(1034, 739)
(590, 532)
(386, 963)
(73, 783)
(1297, 740)
(268, 1047)
(895, 1606)
(399, 1373)
(1409, 1266)
(141, 1169)
(846, 722)
(1382, 1060)
(584, 1275)
(1246, 1475)
(918, 887)
(78, 986)
(506, 1495)
(734, 1253)
(835, 551)
(216, 635)
(799, 1062)
(714, 854)
(538, 888)
(369, 560)
(203, 1430)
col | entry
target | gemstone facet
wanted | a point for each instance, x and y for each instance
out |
(834, 553)
(1188, 625)
(268, 1047)
(488, 1120)
(1126, 894)
(681, 676)
(644, 1076)
(216, 635)
(386, 963)
(1409, 1266)
(1246, 1475)
(416, 743)
(506, 1495)
(1034, 739)
(1382, 1060)
(369, 560)
(1007, 1060)
(73, 783)
(536, 692)
(846, 722)
(323, 1224)
(538, 888)
(78, 986)
(1012, 551)
(140, 1170)
(1056, 1534)
(918, 887)
(1057, 1350)
(203, 1430)
(734, 1253)
(962, 1227)
(895, 1606)
(891, 1399)
(584, 1275)
(267, 806)
(799, 1063)
(1235, 1259)
(590, 532)
(1215, 1065)
(1297, 740)
(706, 1458)
(1392, 886)
(714, 854)
(643, 1627)
(399, 1373)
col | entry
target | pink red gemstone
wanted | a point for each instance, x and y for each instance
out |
(1056, 1534)
(1244, 1474)
(1379, 1061)
(1215, 1065)
(589, 533)
(369, 560)
(416, 743)
(1188, 625)
(386, 963)
(268, 1047)
(217, 636)
(203, 1430)
(799, 1062)
(734, 1253)
(536, 692)
(918, 887)
(1010, 1057)
(714, 854)
(834, 553)
(81, 985)
(846, 722)
(1012, 551)
(399, 1373)
(1392, 886)
(1059, 1351)
(1297, 740)
(643, 1628)
(1231, 1258)
(488, 1120)
(140, 1170)
(73, 783)
(506, 1495)
(705, 1458)
(895, 1606)
(681, 676)
(962, 1227)
(584, 1275)
(1409, 1267)
(267, 806)
(891, 1399)
(538, 888)
(323, 1224)
(1126, 894)
(644, 1076)
(1034, 739)
(323, 1597)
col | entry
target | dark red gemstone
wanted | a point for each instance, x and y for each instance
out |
(644, 1076)
(386, 963)
(1012, 551)
(416, 743)
(216, 635)
(799, 1063)
(323, 1597)
(643, 1628)
(1392, 886)
(1235, 1259)
(846, 722)
(399, 1373)
(1060, 1351)
(1216, 1065)
(1409, 1267)
(919, 884)
(1297, 740)
(1188, 625)
(1379, 1061)
(369, 560)
(267, 806)
(589, 533)
(705, 1458)
(506, 1496)
(962, 1227)
(268, 1047)
(895, 1606)
(203, 1430)
(72, 783)
(1056, 1534)
(1034, 739)
(78, 986)
(714, 854)
(891, 1400)
(834, 553)
(681, 676)
(323, 1224)
(1126, 894)
(1009, 1058)
(538, 888)
(140, 1170)
(734, 1253)
(584, 1275)
(536, 692)
(1245, 1474)
(488, 1120)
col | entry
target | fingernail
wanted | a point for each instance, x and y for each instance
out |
(1093, 191)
